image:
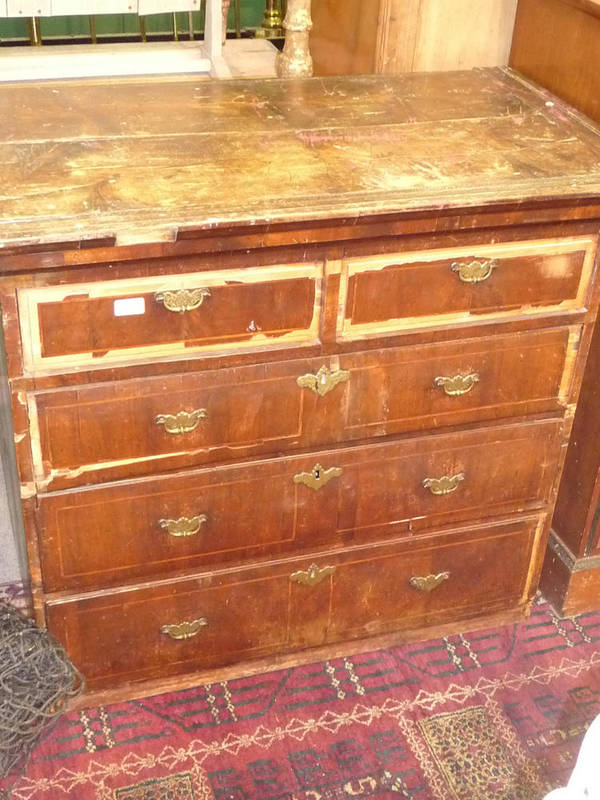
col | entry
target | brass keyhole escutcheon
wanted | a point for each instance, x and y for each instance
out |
(318, 477)
(323, 381)
(312, 576)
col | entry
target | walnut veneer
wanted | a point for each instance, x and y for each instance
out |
(269, 410)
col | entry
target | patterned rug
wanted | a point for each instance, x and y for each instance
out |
(15, 594)
(491, 715)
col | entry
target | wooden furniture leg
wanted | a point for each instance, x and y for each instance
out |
(296, 61)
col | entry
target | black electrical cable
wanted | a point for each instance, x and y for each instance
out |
(36, 680)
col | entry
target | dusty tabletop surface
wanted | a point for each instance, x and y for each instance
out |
(142, 159)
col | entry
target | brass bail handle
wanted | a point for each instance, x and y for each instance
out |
(184, 630)
(457, 385)
(183, 527)
(476, 270)
(444, 485)
(427, 583)
(180, 301)
(182, 422)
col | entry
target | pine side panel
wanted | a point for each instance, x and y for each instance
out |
(431, 35)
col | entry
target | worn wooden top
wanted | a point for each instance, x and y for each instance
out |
(142, 159)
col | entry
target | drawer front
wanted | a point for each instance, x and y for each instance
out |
(149, 527)
(388, 294)
(381, 593)
(221, 618)
(110, 432)
(120, 637)
(466, 381)
(94, 324)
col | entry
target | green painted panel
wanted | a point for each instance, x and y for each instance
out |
(251, 12)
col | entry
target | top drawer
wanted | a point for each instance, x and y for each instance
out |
(463, 285)
(91, 324)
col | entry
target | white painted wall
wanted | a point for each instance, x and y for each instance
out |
(45, 8)
(9, 562)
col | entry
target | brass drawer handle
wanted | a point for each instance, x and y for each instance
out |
(182, 422)
(318, 476)
(476, 270)
(458, 384)
(444, 485)
(184, 630)
(323, 381)
(181, 300)
(429, 582)
(312, 576)
(184, 526)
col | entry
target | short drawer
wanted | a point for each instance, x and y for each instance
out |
(433, 581)
(220, 618)
(102, 323)
(213, 619)
(104, 536)
(116, 431)
(395, 293)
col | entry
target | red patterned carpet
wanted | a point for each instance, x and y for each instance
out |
(492, 715)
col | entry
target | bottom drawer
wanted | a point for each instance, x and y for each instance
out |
(220, 618)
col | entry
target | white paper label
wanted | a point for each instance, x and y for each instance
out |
(129, 306)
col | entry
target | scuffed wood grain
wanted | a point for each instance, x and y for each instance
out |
(140, 161)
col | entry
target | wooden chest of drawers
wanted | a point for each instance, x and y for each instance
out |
(291, 366)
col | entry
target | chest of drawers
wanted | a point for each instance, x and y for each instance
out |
(291, 367)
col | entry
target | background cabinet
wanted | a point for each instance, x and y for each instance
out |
(410, 35)
(557, 44)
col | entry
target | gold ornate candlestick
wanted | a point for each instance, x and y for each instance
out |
(35, 31)
(296, 61)
(272, 26)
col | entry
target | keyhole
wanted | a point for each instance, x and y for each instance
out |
(317, 473)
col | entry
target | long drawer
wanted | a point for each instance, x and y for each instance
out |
(104, 536)
(116, 431)
(93, 324)
(219, 618)
(394, 293)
